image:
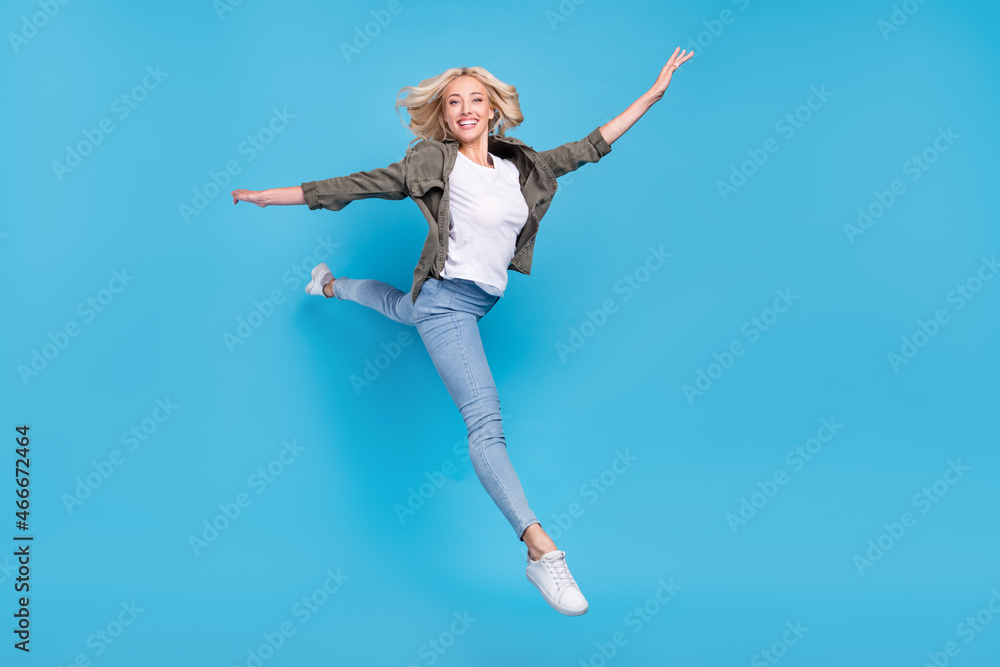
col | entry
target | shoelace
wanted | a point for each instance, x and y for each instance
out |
(557, 567)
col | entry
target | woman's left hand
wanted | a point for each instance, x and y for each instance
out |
(252, 196)
(676, 60)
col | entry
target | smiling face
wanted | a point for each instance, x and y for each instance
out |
(467, 110)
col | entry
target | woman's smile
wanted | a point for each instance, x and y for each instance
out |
(466, 107)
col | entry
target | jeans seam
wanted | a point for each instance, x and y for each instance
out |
(434, 296)
(441, 308)
(482, 451)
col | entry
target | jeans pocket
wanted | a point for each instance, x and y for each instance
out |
(427, 296)
(438, 293)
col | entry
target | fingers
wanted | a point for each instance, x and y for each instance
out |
(245, 195)
(678, 60)
(678, 57)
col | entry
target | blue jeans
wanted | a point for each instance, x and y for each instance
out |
(446, 315)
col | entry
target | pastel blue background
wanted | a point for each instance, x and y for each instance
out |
(665, 516)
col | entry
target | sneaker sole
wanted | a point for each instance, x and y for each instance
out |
(315, 276)
(552, 603)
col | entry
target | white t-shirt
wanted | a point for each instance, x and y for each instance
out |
(486, 213)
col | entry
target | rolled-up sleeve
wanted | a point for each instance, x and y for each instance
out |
(335, 193)
(573, 155)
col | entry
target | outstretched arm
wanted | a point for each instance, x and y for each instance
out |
(626, 119)
(274, 196)
(336, 193)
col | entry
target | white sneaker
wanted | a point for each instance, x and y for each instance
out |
(552, 578)
(321, 275)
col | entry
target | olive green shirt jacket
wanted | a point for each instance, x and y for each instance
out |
(423, 176)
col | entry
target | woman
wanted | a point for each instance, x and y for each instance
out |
(483, 195)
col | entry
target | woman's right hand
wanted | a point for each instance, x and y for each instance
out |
(252, 196)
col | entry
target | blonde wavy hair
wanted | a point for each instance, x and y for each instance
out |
(425, 105)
